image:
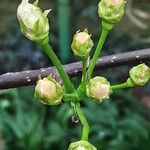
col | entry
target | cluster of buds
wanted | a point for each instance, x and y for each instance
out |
(81, 145)
(48, 91)
(139, 75)
(34, 25)
(111, 12)
(33, 22)
(82, 44)
(99, 89)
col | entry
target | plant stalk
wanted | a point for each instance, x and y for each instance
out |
(84, 66)
(83, 120)
(97, 52)
(67, 82)
(120, 86)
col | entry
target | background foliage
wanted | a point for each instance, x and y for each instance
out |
(119, 123)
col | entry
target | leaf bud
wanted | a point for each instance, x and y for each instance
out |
(81, 145)
(139, 75)
(98, 88)
(48, 91)
(111, 12)
(82, 44)
(33, 22)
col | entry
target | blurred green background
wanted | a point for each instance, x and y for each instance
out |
(121, 123)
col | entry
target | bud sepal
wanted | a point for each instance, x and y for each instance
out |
(33, 22)
(48, 91)
(139, 75)
(82, 44)
(81, 145)
(111, 11)
(99, 89)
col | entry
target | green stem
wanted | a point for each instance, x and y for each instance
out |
(73, 97)
(97, 52)
(81, 90)
(83, 120)
(84, 65)
(67, 83)
(120, 86)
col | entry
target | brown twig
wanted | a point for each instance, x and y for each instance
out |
(26, 78)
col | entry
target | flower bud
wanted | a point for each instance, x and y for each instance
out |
(33, 22)
(81, 145)
(82, 44)
(98, 88)
(48, 91)
(140, 75)
(111, 11)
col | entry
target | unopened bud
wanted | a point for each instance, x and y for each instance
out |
(48, 91)
(139, 75)
(82, 44)
(98, 88)
(33, 22)
(111, 11)
(81, 145)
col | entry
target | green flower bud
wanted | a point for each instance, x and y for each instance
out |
(48, 91)
(98, 88)
(111, 11)
(33, 22)
(82, 44)
(81, 145)
(139, 75)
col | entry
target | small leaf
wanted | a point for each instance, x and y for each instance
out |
(46, 12)
(36, 2)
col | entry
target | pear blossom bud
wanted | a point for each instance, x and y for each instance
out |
(48, 91)
(139, 75)
(98, 88)
(111, 11)
(82, 44)
(33, 22)
(81, 145)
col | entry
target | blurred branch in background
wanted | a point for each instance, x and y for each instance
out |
(18, 79)
(64, 15)
(137, 13)
(136, 18)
